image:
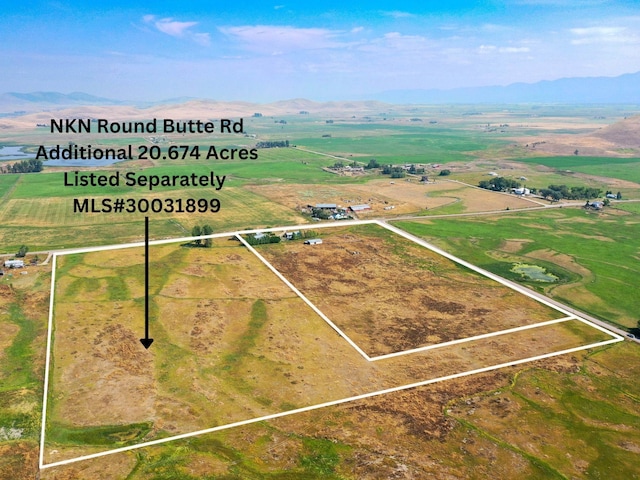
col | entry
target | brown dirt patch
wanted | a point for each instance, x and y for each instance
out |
(112, 467)
(513, 245)
(107, 375)
(561, 259)
(18, 461)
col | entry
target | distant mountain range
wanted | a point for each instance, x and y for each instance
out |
(624, 89)
(18, 103)
(578, 90)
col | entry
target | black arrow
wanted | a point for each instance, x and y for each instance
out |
(146, 341)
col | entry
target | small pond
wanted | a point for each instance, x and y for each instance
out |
(534, 272)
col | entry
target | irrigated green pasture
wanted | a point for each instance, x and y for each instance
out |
(621, 168)
(594, 254)
(399, 145)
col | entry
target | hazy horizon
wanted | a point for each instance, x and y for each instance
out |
(149, 51)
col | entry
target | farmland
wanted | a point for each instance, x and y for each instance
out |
(345, 279)
(590, 253)
(226, 347)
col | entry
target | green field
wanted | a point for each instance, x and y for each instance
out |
(402, 145)
(604, 245)
(621, 168)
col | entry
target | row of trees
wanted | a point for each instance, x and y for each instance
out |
(273, 144)
(552, 192)
(499, 184)
(23, 166)
(267, 238)
(197, 231)
(558, 192)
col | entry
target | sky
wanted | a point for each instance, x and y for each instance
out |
(261, 51)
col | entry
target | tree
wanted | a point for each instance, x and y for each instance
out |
(498, 184)
(397, 172)
(22, 251)
(207, 230)
(618, 196)
(444, 173)
(373, 163)
(196, 231)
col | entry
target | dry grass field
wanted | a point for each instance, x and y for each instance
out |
(406, 197)
(232, 342)
(389, 294)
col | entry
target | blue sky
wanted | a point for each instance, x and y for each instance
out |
(324, 50)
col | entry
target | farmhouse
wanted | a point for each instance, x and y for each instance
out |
(14, 264)
(313, 241)
(291, 235)
(521, 191)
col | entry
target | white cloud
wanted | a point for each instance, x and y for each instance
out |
(178, 29)
(514, 49)
(486, 49)
(278, 40)
(602, 35)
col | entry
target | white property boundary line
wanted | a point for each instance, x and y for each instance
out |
(419, 241)
(616, 338)
(305, 299)
(331, 403)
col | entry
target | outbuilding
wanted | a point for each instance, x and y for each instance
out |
(359, 208)
(14, 264)
(313, 241)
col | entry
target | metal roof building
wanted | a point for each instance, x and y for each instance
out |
(359, 208)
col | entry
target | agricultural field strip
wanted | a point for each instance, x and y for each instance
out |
(616, 338)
